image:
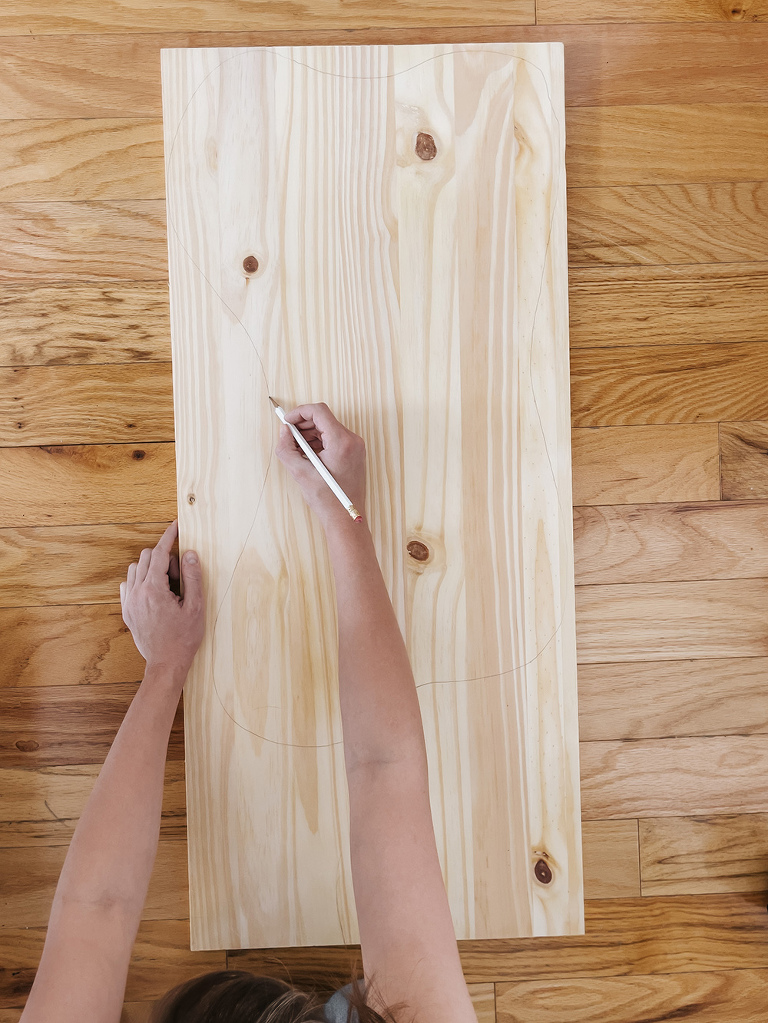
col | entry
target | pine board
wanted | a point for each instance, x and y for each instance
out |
(744, 461)
(426, 248)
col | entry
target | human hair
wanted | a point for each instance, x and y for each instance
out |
(238, 996)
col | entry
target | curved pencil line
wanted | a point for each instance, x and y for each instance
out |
(172, 225)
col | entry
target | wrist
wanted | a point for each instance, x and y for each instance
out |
(169, 673)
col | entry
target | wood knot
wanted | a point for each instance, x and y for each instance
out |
(27, 745)
(250, 264)
(191, 499)
(417, 550)
(425, 146)
(543, 872)
(138, 455)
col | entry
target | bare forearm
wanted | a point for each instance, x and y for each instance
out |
(379, 705)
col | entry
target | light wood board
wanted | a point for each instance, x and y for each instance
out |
(426, 301)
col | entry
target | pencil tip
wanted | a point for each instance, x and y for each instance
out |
(273, 401)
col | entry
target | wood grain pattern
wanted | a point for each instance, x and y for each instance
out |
(611, 859)
(83, 484)
(670, 621)
(73, 324)
(52, 725)
(67, 646)
(703, 383)
(660, 144)
(640, 464)
(670, 542)
(40, 806)
(657, 699)
(736, 995)
(655, 305)
(556, 11)
(83, 241)
(744, 461)
(81, 159)
(45, 565)
(719, 222)
(45, 404)
(430, 238)
(673, 777)
(698, 855)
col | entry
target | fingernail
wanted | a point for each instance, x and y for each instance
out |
(190, 558)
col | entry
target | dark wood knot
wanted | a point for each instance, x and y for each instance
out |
(191, 499)
(543, 872)
(250, 264)
(425, 146)
(27, 745)
(138, 455)
(417, 550)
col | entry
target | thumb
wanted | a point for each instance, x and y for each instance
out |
(192, 577)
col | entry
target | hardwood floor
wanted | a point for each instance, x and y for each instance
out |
(667, 162)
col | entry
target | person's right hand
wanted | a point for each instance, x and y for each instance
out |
(340, 450)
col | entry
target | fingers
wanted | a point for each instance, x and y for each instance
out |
(161, 555)
(131, 578)
(292, 457)
(192, 575)
(122, 593)
(317, 415)
(173, 568)
(143, 566)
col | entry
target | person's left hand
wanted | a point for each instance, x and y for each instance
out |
(167, 629)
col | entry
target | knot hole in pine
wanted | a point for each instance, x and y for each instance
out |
(250, 265)
(543, 872)
(425, 146)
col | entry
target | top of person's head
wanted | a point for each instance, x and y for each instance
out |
(236, 996)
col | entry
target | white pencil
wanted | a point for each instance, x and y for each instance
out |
(350, 508)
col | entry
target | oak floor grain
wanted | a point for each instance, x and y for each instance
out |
(744, 461)
(650, 10)
(611, 859)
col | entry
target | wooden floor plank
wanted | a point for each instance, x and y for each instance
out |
(574, 11)
(48, 17)
(611, 859)
(643, 386)
(78, 241)
(671, 621)
(659, 305)
(744, 461)
(42, 805)
(671, 542)
(56, 725)
(738, 996)
(659, 144)
(702, 855)
(87, 484)
(115, 75)
(74, 159)
(643, 464)
(29, 875)
(719, 222)
(59, 405)
(67, 646)
(73, 324)
(674, 777)
(657, 699)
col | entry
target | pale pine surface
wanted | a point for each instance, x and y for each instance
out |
(425, 301)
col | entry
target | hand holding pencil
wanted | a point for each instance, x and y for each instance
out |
(340, 452)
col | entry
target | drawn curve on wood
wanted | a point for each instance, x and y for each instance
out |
(172, 225)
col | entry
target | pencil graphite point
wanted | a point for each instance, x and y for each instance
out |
(273, 401)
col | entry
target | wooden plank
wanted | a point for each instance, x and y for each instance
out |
(81, 159)
(137, 1012)
(660, 144)
(633, 937)
(55, 725)
(161, 959)
(670, 542)
(704, 383)
(559, 11)
(29, 875)
(47, 17)
(83, 241)
(674, 777)
(611, 859)
(653, 305)
(405, 393)
(736, 995)
(671, 621)
(115, 75)
(67, 646)
(72, 324)
(700, 855)
(40, 806)
(656, 699)
(98, 483)
(743, 463)
(45, 565)
(640, 464)
(77, 405)
(484, 1002)
(709, 223)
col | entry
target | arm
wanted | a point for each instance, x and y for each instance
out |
(103, 884)
(406, 931)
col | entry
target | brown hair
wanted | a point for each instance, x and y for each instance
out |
(236, 996)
